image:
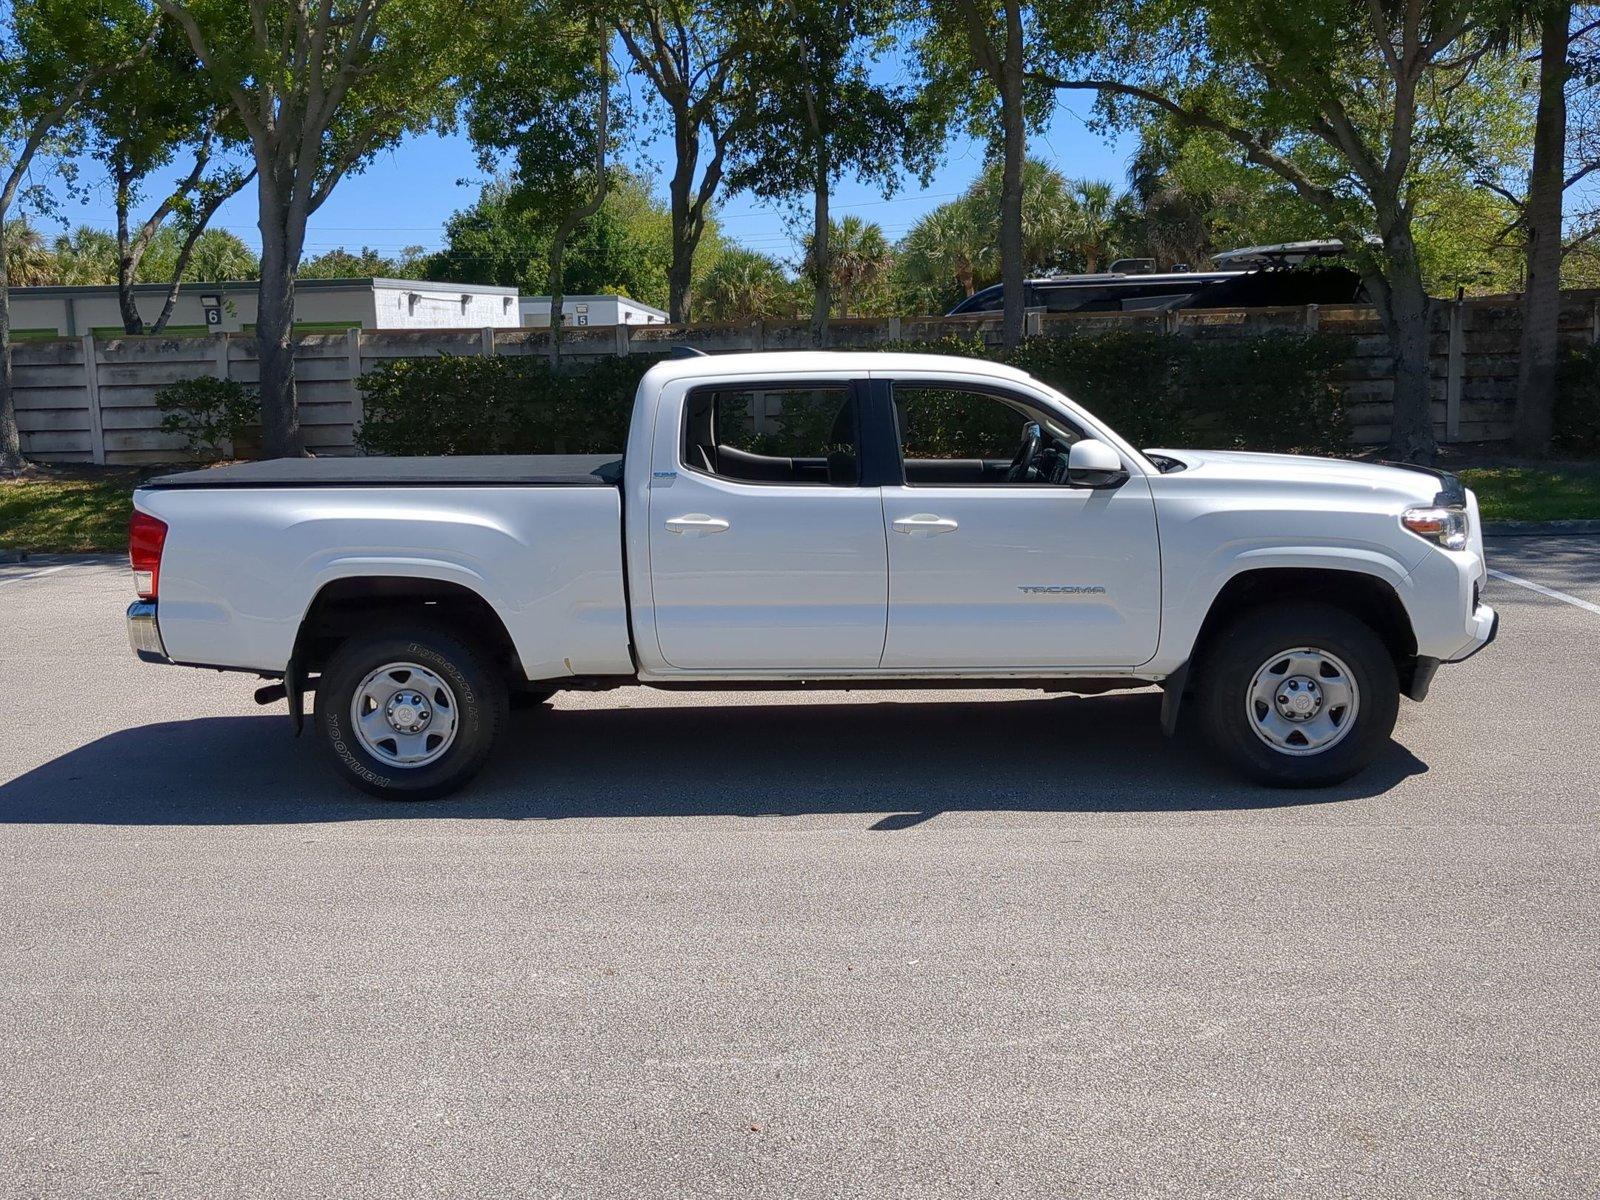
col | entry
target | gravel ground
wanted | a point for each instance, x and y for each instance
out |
(831, 944)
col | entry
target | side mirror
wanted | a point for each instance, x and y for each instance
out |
(1092, 464)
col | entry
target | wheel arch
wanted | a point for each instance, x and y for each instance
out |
(1365, 594)
(348, 605)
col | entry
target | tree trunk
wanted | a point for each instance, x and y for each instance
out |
(821, 257)
(10, 439)
(680, 272)
(1541, 297)
(1015, 135)
(132, 322)
(1404, 308)
(280, 416)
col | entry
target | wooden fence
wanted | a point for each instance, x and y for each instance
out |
(91, 400)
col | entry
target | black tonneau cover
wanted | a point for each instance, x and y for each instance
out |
(484, 470)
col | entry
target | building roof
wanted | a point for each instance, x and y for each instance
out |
(50, 290)
(591, 299)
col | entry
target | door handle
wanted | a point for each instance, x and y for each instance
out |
(924, 525)
(696, 525)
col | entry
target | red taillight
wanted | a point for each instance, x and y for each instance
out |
(146, 536)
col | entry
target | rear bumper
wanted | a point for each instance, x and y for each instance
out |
(144, 634)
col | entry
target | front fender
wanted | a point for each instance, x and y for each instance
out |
(1194, 592)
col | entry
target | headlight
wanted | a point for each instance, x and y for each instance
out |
(1446, 527)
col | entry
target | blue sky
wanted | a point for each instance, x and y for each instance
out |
(406, 195)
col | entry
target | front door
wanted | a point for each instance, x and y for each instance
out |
(996, 563)
(766, 553)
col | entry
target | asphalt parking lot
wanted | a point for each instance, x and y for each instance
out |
(921, 945)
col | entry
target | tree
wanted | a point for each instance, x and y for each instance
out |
(546, 103)
(993, 40)
(690, 53)
(1351, 104)
(1090, 221)
(139, 120)
(818, 113)
(626, 247)
(746, 286)
(84, 256)
(29, 261)
(367, 264)
(1540, 212)
(950, 252)
(859, 261)
(217, 256)
(944, 256)
(319, 89)
(51, 55)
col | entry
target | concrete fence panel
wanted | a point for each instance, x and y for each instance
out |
(92, 400)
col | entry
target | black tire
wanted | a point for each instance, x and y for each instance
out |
(477, 690)
(1229, 668)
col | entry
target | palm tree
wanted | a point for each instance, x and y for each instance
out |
(85, 256)
(859, 259)
(744, 285)
(29, 262)
(219, 256)
(1090, 222)
(951, 244)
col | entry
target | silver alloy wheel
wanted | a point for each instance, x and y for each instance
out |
(404, 715)
(1302, 701)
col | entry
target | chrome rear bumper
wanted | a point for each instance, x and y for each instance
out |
(144, 635)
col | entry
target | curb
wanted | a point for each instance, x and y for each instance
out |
(1540, 528)
(13, 556)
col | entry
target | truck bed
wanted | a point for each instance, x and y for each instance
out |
(492, 470)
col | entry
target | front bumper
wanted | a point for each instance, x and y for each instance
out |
(1485, 624)
(144, 634)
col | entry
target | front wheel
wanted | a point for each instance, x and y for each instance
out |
(409, 713)
(1300, 696)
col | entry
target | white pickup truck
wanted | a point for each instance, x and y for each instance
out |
(823, 520)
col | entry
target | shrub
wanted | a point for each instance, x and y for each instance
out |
(1271, 391)
(1577, 413)
(212, 415)
(501, 404)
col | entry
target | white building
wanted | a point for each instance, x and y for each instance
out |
(590, 310)
(320, 305)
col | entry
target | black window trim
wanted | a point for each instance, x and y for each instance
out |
(855, 388)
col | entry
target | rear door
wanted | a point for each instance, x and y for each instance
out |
(766, 552)
(988, 572)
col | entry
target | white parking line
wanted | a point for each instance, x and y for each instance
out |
(1544, 591)
(33, 574)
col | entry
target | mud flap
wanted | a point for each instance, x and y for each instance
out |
(1172, 689)
(294, 681)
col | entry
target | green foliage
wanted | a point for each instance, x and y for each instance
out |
(1131, 379)
(1577, 411)
(936, 423)
(1272, 391)
(626, 247)
(859, 262)
(952, 251)
(502, 404)
(745, 285)
(368, 264)
(212, 415)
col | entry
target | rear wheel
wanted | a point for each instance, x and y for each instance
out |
(1300, 696)
(409, 713)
